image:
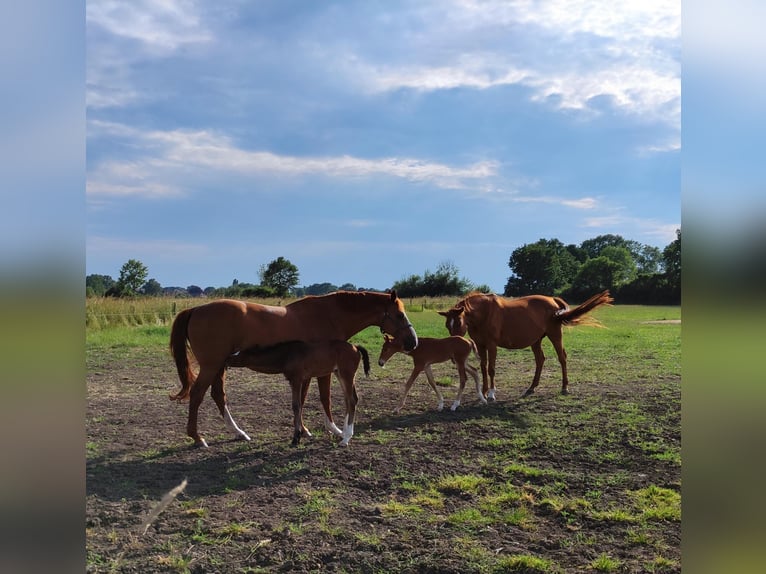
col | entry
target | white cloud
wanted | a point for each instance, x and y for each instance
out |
(160, 25)
(625, 51)
(174, 152)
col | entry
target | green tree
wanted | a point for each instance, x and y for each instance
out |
(194, 291)
(544, 267)
(132, 277)
(280, 275)
(98, 285)
(595, 275)
(152, 287)
(671, 257)
(445, 280)
(625, 271)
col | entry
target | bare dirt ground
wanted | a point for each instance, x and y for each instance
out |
(548, 477)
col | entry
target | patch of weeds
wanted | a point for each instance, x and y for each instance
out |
(175, 563)
(657, 503)
(460, 483)
(613, 515)
(370, 539)
(605, 563)
(383, 436)
(429, 499)
(518, 517)
(469, 518)
(394, 508)
(660, 564)
(531, 472)
(91, 449)
(470, 550)
(235, 529)
(525, 563)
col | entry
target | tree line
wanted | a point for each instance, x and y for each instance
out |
(633, 272)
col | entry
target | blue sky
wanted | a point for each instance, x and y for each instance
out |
(366, 142)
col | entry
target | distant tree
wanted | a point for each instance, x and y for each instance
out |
(98, 284)
(595, 275)
(209, 291)
(152, 287)
(320, 289)
(347, 287)
(279, 275)
(194, 291)
(410, 286)
(445, 280)
(543, 267)
(671, 257)
(132, 277)
(625, 271)
(648, 260)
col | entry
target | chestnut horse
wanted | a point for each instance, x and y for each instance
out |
(215, 331)
(428, 352)
(493, 322)
(299, 361)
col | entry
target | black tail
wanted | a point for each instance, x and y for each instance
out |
(365, 359)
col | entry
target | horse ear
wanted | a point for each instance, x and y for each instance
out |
(443, 313)
(393, 295)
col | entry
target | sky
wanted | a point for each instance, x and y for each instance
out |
(370, 141)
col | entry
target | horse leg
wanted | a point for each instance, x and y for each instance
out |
(197, 394)
(296, 386)
(483, 364)
(304, 392)
(407, 386)
(324, 396)
(219, 396)
(492, 355)
(475, 374)
(537, 349)
(430, 377)
(461, 373)
(349, 392)
(558, 344)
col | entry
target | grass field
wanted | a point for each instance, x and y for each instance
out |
(585, 482)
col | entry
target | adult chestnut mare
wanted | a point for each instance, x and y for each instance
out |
(217, 330)
(493, 321)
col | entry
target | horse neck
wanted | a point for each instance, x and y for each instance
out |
(348, 312)
(357, 311)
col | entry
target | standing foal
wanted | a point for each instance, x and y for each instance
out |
(431, 351)
(299, 361)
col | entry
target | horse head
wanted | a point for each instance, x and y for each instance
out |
(455, 323)
(396, 323)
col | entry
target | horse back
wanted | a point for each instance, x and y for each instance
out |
(513, 323)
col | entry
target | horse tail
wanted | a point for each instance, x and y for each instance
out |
(365, 359)
(474, 350)
(178, 348)
(577, 316)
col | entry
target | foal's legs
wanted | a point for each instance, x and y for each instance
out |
(475, 374)
(430, 377)
(408, 385)
(304, 391)
(349, 392)
(219, 396)
(296, 386)
(461, 373)
(537, 349)
(324, 396)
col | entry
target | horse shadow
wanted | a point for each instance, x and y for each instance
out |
(508, 411)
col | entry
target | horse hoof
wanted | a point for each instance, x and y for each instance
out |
(564, 392)
(200, 443)
(527, 393)
(344, 442)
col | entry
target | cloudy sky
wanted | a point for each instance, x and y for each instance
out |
(368, 141)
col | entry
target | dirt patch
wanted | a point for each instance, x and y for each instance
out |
(422, 491)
